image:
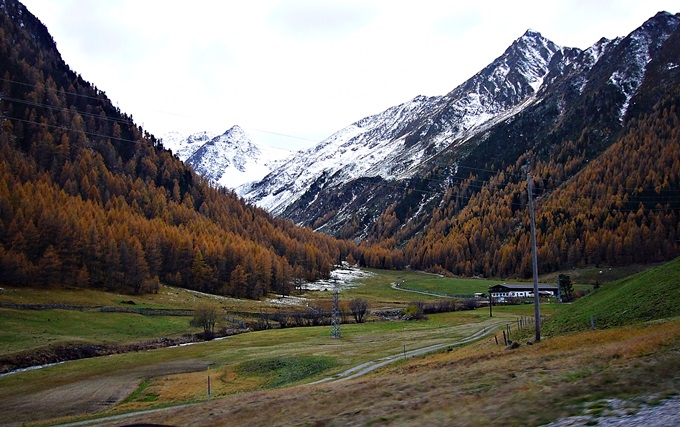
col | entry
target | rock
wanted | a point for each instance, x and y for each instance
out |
(513, 345)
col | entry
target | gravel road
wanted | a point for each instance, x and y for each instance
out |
(666, 414)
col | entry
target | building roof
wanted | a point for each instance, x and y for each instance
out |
(526, 286)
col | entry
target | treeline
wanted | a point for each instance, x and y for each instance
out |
(617, 209)
(89, 199)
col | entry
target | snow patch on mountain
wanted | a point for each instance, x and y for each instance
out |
(184, 147)
(400, 142)
(228, 160)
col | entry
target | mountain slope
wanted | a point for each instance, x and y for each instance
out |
(389, 145)
(646, 296)
(440, 164)
(184, 147)
(89, 199)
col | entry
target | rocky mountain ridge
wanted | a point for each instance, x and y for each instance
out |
(228, 160)
(389, 144)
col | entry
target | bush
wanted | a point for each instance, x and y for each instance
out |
(413, 312)
(359, 308)
(469, 304)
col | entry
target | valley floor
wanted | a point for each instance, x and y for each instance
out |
(480, 384)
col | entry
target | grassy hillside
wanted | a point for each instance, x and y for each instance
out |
(653, 294)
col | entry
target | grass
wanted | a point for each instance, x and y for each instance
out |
(359, 344)
(649, 295)
(563, 376)
(167, 298)
(448, 286)
(587, 275)
(280, 371)
(141, 394)
(256, 370)
(22, 330)
(378, 291)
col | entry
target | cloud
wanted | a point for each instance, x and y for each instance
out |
(313, 20)
(303, 67)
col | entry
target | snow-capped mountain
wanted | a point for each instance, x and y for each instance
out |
(407, 157)
(228, 160)
(184, 147)
(390, 144)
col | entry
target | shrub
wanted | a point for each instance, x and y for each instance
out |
(413, 312)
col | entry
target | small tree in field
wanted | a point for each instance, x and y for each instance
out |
(205, 316)
(359, 307)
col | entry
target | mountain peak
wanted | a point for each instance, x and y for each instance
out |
(531, 33)
(661, 20)
(534, 40)
(234, 135)
(229, 159)
(236, 129)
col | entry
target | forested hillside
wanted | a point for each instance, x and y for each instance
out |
(89, 199)
(606, 174)
(619, 208)
(440, 183)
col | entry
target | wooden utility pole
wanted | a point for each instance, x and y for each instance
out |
(537, 308)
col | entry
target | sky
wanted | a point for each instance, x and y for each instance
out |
(293, 72)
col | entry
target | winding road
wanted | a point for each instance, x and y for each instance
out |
(372, 365)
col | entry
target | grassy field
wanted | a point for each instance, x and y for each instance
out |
(27, 330)
(648, 295)
(178, 375)
(480, 384)
(255, 371)
(604, 274)
(22, 330)
(448, 286)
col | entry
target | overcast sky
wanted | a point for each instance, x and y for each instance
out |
(303, 68)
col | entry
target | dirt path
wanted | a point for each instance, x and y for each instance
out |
(399, 288)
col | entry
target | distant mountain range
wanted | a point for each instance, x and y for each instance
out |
(228, 160)
(392, 145)
(440, 183)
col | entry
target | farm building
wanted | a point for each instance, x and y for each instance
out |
(526, 290)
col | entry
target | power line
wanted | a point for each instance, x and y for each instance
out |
(97, 98)
(91, 134)
(65, 109)
(90, 87)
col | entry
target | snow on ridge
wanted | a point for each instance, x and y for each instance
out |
(643, 41)
(352, 152)
(230, 160)
(377, 145)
